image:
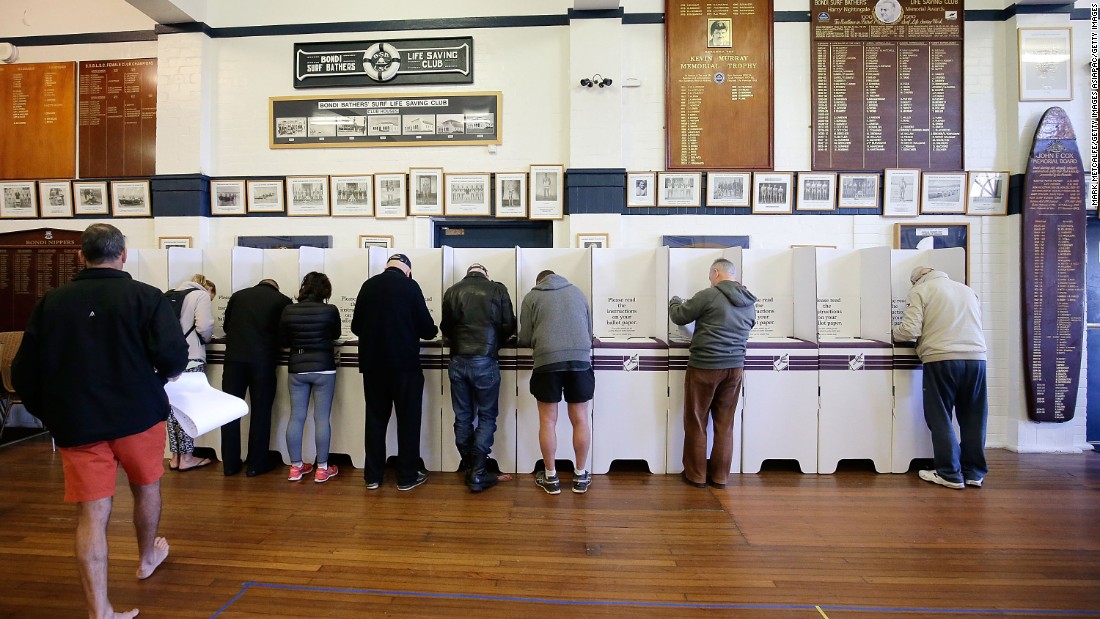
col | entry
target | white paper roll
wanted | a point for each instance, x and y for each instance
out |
(200, 408)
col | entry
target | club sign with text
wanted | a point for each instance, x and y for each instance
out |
(384, 63)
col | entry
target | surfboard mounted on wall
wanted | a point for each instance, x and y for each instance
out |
(1053, 263)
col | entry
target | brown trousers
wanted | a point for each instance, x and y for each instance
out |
(709, 393)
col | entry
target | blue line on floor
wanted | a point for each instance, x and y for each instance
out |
(698, 605)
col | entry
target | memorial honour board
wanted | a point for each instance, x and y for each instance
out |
(37, 120)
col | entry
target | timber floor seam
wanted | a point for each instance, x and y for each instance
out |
(778, 544)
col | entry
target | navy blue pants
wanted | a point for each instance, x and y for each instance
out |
(957, 385)
(475, 389)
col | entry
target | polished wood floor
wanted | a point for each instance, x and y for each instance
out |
(774, 545)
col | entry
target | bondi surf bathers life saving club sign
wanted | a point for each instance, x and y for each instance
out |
(384, 62)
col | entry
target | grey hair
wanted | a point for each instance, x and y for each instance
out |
(724, 266)
(102, 243)
(918, 273)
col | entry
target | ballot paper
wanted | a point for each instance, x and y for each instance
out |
(200, 408)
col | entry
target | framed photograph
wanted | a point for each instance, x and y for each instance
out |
(426, 191)
(1046, 59)
(467, 195)
(771, 192)
(90, 197)
(679, 188)
(352, 195)
(934, 236)
(641, 189)
(511, 192)
(595, 240)
(858, 191)
(987, 193)
(901, 197)
(728, 188)
(130, 199)
(390, 196)
(265, 196)
(375, 240)
(227, 198)
(306, 196)
(943, 192)
(18, 199)
(816, 191)
(168, 242)
(55, 199)
(547, 192)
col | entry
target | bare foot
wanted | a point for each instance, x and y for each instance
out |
(113, 615)
(151, 563)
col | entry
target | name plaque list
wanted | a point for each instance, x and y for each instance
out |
(33, 262)
(118, 117)
(37, 120)
(887, 95)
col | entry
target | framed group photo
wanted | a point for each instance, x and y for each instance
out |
(375, 240)
(306, 196)
(227, 198)
(511, 194)
(902, 195)
(592, 240)
(641, 189)
(467, 195)
(390, 196)
(265, 196)
(728, 188)
(772, 192)
(130, 199)
(352, 195)
(90, 198)
(168, 242)
(816, 191)
(1046, 62)
(547, 189)
(18, 199)
(943, 193)
(858, 191)
(55, 199)
(427, 191)
(679, 189)
(987, 193)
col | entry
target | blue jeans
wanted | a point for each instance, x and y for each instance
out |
(958, 385)
(322, 387)
(475, 387)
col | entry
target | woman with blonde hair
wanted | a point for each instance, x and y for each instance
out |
(197, 323)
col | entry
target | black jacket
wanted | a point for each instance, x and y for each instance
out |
(252, 324)
(95, 356)
(477, 316)
(308, 328)
(391, 317)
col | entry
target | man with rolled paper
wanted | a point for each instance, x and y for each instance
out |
(92, 366)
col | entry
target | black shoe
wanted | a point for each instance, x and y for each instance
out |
(232, 468)
(421, 477)
(478, 477)
(695, 484)
(260, 470)
(714, 484)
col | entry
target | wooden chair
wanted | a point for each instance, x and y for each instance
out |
(9, 345)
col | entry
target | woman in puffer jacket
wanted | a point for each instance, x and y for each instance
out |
(309, 328)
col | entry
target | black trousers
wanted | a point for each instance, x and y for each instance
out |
(403, 393)
(258, 380)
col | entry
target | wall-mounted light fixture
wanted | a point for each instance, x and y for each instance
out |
(8, 52)
(595, 80)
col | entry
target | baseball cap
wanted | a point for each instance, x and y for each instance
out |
(477, 267)
(401, 258)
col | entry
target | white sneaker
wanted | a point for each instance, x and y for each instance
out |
(934, 477)
(977, 483)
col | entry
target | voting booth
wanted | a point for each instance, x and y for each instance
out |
(574, 265)
(501, 266)
(688, 271)
(630, 311)
(781, 364)
(855, 357)
(910, 436)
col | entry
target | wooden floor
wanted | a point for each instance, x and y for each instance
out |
(774, 545)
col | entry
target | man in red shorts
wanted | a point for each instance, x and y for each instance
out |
(95, 356)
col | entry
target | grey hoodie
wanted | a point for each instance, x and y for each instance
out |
(723, 316)
(554, 321)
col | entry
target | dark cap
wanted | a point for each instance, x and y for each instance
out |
(477, 267)
(401, 258)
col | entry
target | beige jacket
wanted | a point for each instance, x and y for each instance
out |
(197, 310)
(945, 319)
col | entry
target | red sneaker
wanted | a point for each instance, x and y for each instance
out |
(296, 472)
(322, 475)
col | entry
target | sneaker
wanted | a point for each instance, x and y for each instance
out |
(581, 482)
(550, 484)
(323, 475)
(421, 477)
(977, 483)
(373, 485)
(296, 472)
(935, 478)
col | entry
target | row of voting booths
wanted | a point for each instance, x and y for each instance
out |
(823, 382)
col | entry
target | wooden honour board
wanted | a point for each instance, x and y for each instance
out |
(887, 96)
(719, 110)
(118, 117)
(37, 120)
(33, 262)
